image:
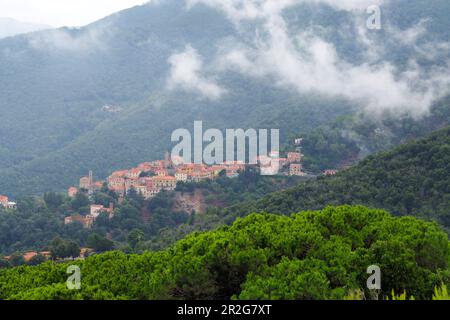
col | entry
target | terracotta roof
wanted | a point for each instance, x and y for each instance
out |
(29, 255)
(119, 173)
(168, 178)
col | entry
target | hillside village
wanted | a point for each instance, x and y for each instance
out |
(150, 178)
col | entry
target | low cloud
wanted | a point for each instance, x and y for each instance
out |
(309, 64)
(186, 74)
(238, 10)
(71, 39)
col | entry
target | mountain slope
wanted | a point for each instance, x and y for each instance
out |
(54, 85)
(413, 179)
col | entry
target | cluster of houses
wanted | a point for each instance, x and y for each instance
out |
(150, 178)
(88, 220)
(28, 256)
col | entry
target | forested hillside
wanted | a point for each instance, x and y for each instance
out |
(311, 255)
(101, 97)
(351, 138)
(413, 179)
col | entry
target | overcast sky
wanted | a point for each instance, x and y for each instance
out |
(62, 12)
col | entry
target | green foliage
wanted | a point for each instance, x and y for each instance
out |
(61, 248)
(401, 297)
(311, 255)
(441, 293)
(80, 201)
(37, 260)
(99, 243)
(135, 237)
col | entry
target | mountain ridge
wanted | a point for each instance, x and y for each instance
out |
(58, 130)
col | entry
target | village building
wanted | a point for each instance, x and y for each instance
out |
(117, 180)
(133, 173)
(97, 209)
(29, 255)
(131, 183)
(161, 172)
(146, 166)
(98, 185)
(186, 168)
(167, 183)
(151, 193)
(200, 176)
(46, 254)
(217, 169)
(120, 190)
(181, 176)
(85, 252)
(296, 170)
(86, 221)
(330, 172)
(72, 192)
(4, 200)
(270, 169)
(85, 183)
(12, 205)
(6, 204)
(233, 171)
(294, 157)
(142, 190)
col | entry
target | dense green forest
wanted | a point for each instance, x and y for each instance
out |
(310, 255)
